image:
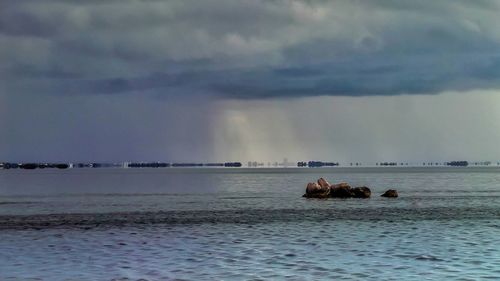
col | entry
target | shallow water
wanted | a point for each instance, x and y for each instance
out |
(194, 225)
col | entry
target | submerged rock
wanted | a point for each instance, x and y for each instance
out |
(361, 192)
(391, 193)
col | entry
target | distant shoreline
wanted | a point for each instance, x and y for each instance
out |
(260, 170)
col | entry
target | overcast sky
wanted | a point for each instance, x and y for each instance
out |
(228, 80)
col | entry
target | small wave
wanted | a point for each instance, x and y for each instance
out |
(427, 258)
(16, 202)
(419, 257)
(243, 197)
(244, 216)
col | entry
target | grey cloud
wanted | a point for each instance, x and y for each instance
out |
(251, 49)
(355, 77)
(191, 80)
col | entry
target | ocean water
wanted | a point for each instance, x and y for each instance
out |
(248, 224)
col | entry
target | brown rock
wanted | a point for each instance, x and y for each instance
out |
(313, 187)
(391, 193)
(341, 190)
(314, 190)
(361, 192)
(342, 184)
(323, 183)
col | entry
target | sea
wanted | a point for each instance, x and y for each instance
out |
(248, 224)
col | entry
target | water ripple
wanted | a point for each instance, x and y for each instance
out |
(248, 216)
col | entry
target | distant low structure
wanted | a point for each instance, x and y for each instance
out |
(458, 163)
(32, 166)
(28, 166)
(10, 166)
(317, 164)
(214, 165)
(148, 165)
(251, 164)
(187, 165)
(255, 164)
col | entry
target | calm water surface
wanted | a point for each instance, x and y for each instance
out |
(168, 224)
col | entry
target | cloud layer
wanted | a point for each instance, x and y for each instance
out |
(228, 80)
(249, 49)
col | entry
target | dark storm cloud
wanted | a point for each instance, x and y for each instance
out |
(249, 49)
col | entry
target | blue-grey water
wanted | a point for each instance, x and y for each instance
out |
(248, 224)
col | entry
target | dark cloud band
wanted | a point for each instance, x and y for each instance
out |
(250, 49)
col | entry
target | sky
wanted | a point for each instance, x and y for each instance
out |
(229, 80)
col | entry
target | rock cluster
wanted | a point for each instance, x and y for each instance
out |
(323, 189)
